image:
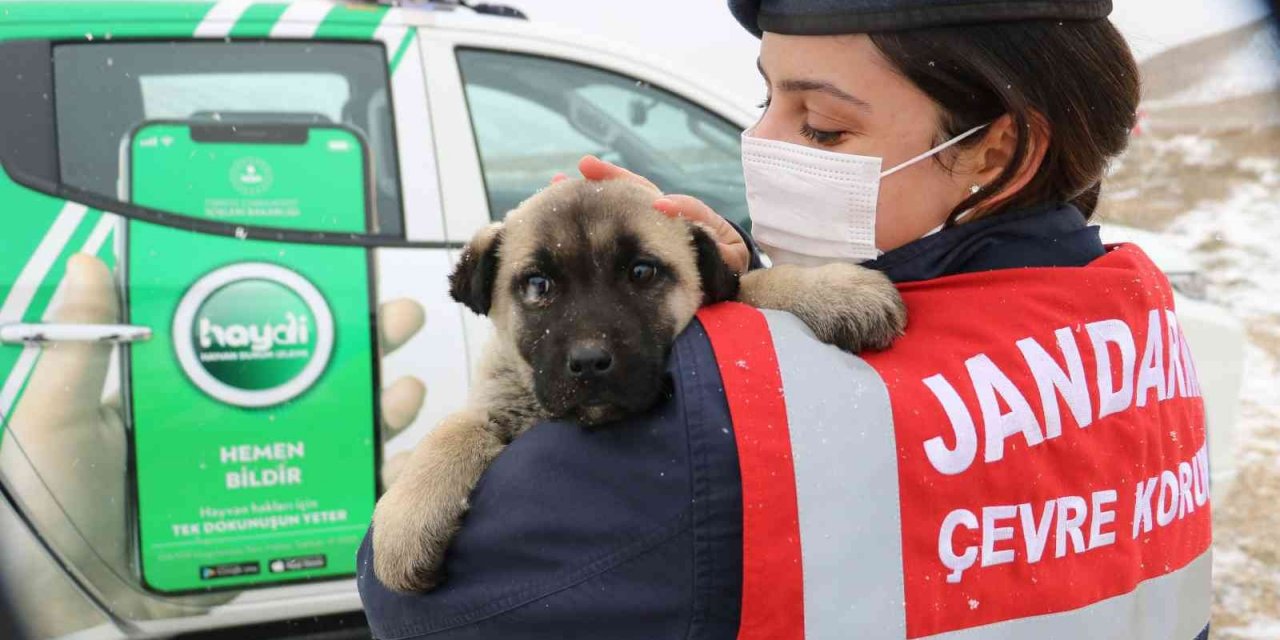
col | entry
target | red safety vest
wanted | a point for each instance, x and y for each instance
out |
(1029, 461)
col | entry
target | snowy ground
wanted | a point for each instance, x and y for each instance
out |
(1218, 198)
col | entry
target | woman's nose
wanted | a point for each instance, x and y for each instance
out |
(770, 127)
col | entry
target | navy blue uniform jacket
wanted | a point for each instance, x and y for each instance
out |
(635, 530)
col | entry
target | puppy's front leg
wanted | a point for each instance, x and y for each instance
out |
(845, 305)
(419, 514)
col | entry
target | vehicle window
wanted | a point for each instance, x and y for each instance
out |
(185, 95)
(518, 147)
(106, 90)
(534, 116)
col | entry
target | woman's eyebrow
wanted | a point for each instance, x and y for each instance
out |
(824, 87)
(815, 85)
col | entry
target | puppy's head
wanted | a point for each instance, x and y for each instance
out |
(591, 286)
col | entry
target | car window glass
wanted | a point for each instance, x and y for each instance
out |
(185, 95)
(106, 90)
(519, 142)
(534, 116)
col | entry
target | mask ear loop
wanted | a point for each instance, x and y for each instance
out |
(934, 151)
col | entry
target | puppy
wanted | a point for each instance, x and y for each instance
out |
(587, 288)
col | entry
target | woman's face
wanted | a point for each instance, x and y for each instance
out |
(839, 94)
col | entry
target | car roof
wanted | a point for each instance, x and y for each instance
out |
(443, 16)
(96, 11)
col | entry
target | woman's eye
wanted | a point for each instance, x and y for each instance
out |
(826, 138)
(764, 104)
(537, 288)
(643, 272)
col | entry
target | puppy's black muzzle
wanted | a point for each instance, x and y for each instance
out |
(588, 361)
(597, 382)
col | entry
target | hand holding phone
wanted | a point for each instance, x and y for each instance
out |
(77, 439)
(69, 437)
(252, 408)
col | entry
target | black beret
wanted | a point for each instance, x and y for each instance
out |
(829, 17)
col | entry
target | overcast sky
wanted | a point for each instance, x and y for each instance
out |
(702, 35)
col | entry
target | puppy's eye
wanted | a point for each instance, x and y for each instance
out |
(643, 272)
(537, 288)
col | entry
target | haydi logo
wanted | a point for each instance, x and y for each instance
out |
(259, 338)
(253, 334)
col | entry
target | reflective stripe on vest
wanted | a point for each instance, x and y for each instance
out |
(931, 491)
(799, 514)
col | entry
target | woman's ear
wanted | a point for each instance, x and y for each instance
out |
(719, 282)
(471, 282)
(986, 161)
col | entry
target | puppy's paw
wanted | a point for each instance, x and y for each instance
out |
(409, 543)
(860, 308)
(851, 307)
(416, 519)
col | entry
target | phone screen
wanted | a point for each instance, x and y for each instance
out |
(253, 405)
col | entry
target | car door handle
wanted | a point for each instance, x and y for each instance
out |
(22, 333)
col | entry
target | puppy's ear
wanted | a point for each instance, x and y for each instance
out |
(471, 282)
(719, 282)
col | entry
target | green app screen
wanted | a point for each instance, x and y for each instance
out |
(253, 403)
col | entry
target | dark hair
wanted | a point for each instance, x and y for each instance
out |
(1078, 78)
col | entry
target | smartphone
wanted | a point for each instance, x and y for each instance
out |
(253, 407)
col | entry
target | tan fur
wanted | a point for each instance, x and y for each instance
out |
(628, 208)
(851, 307)
(845, 305)
(419, 514)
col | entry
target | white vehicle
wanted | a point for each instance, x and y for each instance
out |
(460, 116)
(1217, 342)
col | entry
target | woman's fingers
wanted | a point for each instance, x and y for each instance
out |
(65, 387)
(398, 321)
(733, 249)
(689, 207)
(401, 403)
(593, 168)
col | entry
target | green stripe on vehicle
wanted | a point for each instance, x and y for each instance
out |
(24, 232)
(108, 251)
(356, 22)
(78, 13)
(257, 20)
(100, 21)
(404, 47)
(40, 303)
(30, 232)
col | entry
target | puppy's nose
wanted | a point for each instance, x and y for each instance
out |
(589, 360)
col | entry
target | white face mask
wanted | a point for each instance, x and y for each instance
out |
(809, 206)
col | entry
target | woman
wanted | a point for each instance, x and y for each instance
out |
(1027, 461)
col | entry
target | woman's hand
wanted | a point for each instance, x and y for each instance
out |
(733, 250)
(64, 455)
(64, 449)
